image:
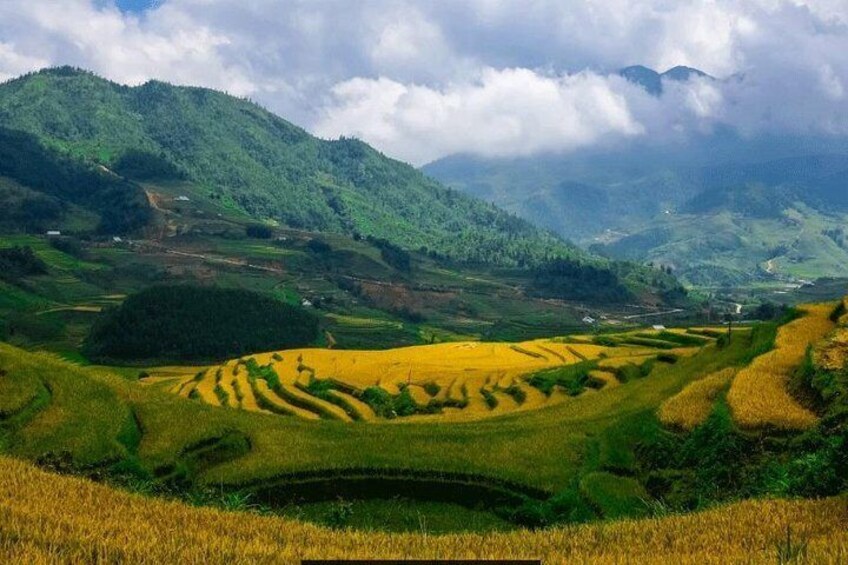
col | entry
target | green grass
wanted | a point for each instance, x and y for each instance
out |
(78, 416)
(398, 515)
(614, 496)
(572, 379)
(54, 258)
(14, 298)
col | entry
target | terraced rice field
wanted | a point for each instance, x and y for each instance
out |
(692, 406)
(759, 395)
(443, 382)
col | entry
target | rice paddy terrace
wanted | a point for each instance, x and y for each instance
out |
(443, 382)
(467, 436)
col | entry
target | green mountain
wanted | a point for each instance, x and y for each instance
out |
(194, 173)
(246, 159)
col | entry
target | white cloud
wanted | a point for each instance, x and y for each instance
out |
(14, 63)
(122, 47)
(504, 112)
(424, 78)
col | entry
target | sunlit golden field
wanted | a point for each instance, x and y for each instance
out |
(96, 523)
(693, 404)
(758, 395)
(469, 380)
(88, 411)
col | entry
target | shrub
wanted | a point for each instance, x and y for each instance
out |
(572, 378)
(380, 401)
(517, 393)
(388, 406)
(490, 398)
(631, 371)
(68, 245)
(18, 262)
(259, 231)
(318, 247)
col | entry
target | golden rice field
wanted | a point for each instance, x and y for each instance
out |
(758, 396)
(466, 380)
(95, 523)
(691, 406)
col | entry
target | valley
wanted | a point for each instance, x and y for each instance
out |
(225, 339)
(720, 210)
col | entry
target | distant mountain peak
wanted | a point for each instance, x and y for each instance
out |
(652, 81)
(683, 73)
(648, 78)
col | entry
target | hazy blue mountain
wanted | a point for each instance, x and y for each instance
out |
(652, 81)
(715, 208)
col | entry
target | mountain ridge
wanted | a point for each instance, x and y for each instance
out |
(124, 144)
(249, 159)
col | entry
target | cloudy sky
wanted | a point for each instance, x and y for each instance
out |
(421, 79)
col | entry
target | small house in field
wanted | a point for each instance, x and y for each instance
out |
(182, 198)
(589, 320)
(306, 303)
(659, 328)
(53, 233)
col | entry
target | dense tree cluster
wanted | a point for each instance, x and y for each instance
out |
(572, 280)
(19, 262)
(190, 323)
(26, 210)
(146, 166)
(768, 311)
(259, 231)
(393, 255)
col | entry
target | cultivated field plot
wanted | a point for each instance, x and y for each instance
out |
(442, 382)
(759, 396)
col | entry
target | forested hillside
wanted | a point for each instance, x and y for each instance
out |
(54, 180)
(250, 160)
